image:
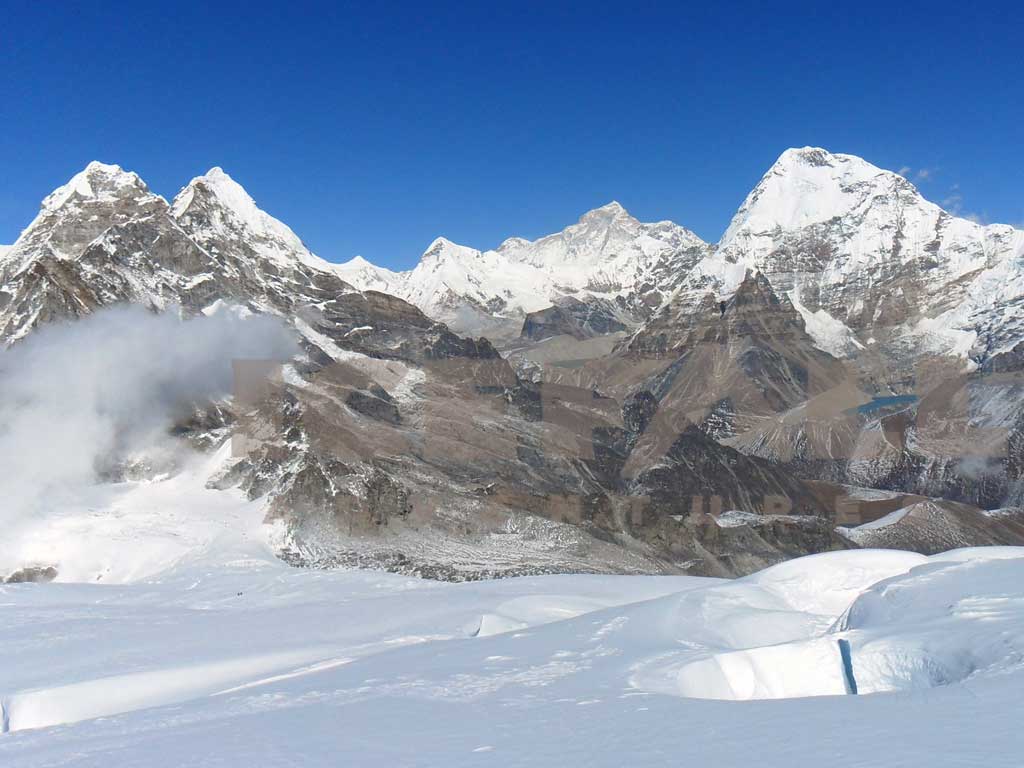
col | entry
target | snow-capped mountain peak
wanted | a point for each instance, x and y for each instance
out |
(215, 206)
(606, 254)
(90, 202)
(368, 276)
(232, 196)
(607, 211)
(356, 262)
(811, 185)
(97, 182)
(863, 250)
(443, 248)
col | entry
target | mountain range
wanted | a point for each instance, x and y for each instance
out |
(618, 396)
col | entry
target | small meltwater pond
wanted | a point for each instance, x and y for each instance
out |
(878, 403)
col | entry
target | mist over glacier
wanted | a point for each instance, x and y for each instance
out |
(80, 396)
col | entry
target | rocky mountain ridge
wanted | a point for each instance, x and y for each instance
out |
(393, 441)
(867, 260)
(607, 256)
(863, 256)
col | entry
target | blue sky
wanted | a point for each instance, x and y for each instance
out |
(371, 130)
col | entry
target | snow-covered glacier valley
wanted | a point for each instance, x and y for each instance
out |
(230, 657)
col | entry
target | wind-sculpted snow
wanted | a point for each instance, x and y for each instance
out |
(235, 659)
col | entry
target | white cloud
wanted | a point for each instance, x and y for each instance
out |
(77, 396)
(954, 203)
(921, 174)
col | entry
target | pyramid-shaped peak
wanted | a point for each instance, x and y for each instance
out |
(356, 262)
(442, 246)
(217, 187)
(606, 211)
(226, 188)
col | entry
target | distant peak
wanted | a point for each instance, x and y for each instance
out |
(218, 176)
(442, 248)
(96, 166)
(356, 262)
(442, 244)
(608, 210)
(437, 246)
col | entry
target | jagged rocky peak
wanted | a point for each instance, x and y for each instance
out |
(217, 187)
(100, 239)
(754, 310)
(93, 200)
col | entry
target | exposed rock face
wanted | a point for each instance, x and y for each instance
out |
(700, 475)
(92, 244)
(571, 317)
(467, 460)
(727, 367)
(959, 437)
(934, 526)
(32, 574)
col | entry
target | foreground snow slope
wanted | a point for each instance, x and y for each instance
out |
(247, 662)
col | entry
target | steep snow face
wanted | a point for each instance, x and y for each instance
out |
(606, 254)
(861, 244)
(862, 215)
(216, 210)
(829, 334)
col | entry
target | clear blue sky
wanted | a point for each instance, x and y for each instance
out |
(372, 130)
